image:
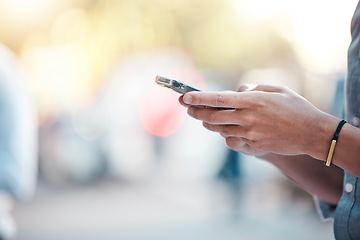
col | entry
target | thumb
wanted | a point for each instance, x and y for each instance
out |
(268, 88)
(245, 87)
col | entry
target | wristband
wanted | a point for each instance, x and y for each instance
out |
(333, 143)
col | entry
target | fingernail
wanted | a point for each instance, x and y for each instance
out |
(187, 99)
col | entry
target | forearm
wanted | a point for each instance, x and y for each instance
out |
(347, 151)
(311, 175)
(279, 121)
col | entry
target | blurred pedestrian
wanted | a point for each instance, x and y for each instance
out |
(18, 142)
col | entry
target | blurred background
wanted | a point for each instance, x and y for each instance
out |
(99, 151)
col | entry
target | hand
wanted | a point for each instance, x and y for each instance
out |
(266, 119)
(239, 144)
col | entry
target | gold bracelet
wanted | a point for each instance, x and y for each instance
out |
(333, 143)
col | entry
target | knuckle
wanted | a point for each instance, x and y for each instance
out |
(255, 144)
(258, 145)
(251, 134)
(250, 100)
(213, 117)
(226, 131)
(219, 100)
(250, 120)
(242, 88)
(255, 100)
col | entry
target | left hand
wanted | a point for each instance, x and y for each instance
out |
(265, 119)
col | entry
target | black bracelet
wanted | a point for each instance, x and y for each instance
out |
(333, 143)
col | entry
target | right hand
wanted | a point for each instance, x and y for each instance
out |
(264, 119)
(242, 144)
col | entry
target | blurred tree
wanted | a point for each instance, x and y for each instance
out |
(211, 31)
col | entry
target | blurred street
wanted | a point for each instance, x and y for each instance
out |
(169, 209)
(92, 148)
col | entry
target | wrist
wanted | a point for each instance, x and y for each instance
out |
(270, 157)
(321, 135)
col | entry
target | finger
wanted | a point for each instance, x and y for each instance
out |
(242, 88)
(268, 88)
(245, 87)
(214, 116)
(228, 130)
(237, 144)
(181, 101)
(219, 99)
(249, 142)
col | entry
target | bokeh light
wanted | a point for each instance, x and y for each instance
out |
(160, 112)
(115, 145)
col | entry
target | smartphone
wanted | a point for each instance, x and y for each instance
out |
(175, 85)
(179, 87)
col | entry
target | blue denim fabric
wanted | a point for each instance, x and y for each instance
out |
(347, 213)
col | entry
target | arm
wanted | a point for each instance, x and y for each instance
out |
(311, 175)
(270, 121)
